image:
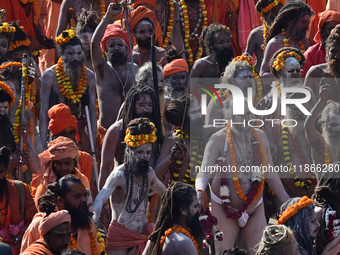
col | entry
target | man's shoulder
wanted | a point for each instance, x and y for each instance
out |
(50, 71)
(318, 71)
(180, 243)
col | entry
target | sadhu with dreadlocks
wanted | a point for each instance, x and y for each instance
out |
(139, 102)
(177, 229)
(128, 188)
(288, 30)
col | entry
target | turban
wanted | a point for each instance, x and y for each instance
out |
(61, 118)
(53, 220)
(63, 147)
(325, 17)
(143, 12)
(175, 66)
(114, 31)
(136, 3)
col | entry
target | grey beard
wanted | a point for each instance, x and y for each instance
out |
(333, 140)
(244, 132)
(299, 130)
(73, 73)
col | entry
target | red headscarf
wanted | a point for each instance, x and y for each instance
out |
(136, 3)
(114, 31)
(325, 17)
(142, 12)
(61, 118)
(175, 66)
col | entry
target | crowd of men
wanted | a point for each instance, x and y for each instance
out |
(108, 144)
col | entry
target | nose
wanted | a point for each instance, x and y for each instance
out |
(144, 156)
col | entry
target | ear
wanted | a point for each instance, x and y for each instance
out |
(61, 203)
(133, 33)
(183, 210)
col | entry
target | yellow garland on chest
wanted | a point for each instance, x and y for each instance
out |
(93, 237)
(65, 85)
(170, 26)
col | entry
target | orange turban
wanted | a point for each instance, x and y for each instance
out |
(143, 12)
(53, 220)
(63, 147)
(325, 17)
(114, 31)
(136, 3)
(175, 66)
(61, 118)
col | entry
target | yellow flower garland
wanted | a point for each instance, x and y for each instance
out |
(138, 140)
(293, 209)
(255, 74)
(272, 5)
(170, 27)
(65, 85)
(6, 28)
(69, 35)
(93, 237)
(187, 30)
(72, 21)
(279, 62)
(265, 29)
(286, 42)
(102, 8)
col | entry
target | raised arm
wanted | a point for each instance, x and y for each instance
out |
(92, 104)
(64, 16)
(271, 48)
(46, 85)
(313, 137)
(96, 52)
(176, 37)
(115, 178)
(165, 159)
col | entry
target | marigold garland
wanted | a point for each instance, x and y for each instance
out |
(278, 87)
(325, 151)
(93, 237)
(65, 85)
(234, 164)
(138, 140)
(255, 74)
(65, 37)
(272, 5)
(265, 29)
(10, 64)
(170, 26)
(293, 209)
(102, 8)
(186, 28)
(9, 91)
(286, 43)
(101, 243)
(37, 53)
(177, 229)
(72, 21)
(286, 153)
(279, 62)
(17, 44)
(6, 28)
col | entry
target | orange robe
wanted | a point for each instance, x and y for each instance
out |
(317, 6)
(32, 232)
(37, 248)
(333, 5)
(84, 165)
(42, 188)
(120, 237)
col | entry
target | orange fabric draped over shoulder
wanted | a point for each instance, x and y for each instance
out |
(37, 248)
(324, 17)
(142, 12)
(175, 66)
(61, 118)
(120, 237)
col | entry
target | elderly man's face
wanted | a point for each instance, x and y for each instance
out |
(291, 72)
(73, 54)
(179, 79)
(117, 52)
(4, 108)
(3, 48)
(244, 79)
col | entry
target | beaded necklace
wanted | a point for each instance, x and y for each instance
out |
(102, 8)
(292, 171)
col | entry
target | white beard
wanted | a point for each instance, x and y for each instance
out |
(333, 146)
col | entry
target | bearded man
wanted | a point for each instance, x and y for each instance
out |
(65, 15)
(316, 54)
(114, 77)
(176, 78)
(302, 222)
(237, 147)
(293, 149)
(330, 71)
(220, 52)
(68, 82)
(180, 201)
(293, 19)
(325, 147)
(87, 22)
(268, 9)
(55, 230)
(127, 187)
(144, 25)
(5, 41)
(238, 73)
(140, 102)
(63, 159)
(70, 194)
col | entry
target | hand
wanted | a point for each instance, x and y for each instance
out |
(200, 199)
(178, 151)
(95, 218)
(323, 91)
(112, 10)
(333, 247)
(17, 241)
(23, 131)
(17, 159)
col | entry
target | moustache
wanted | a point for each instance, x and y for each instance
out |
(142, 162)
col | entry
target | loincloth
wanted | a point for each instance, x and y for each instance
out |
(120, 237)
